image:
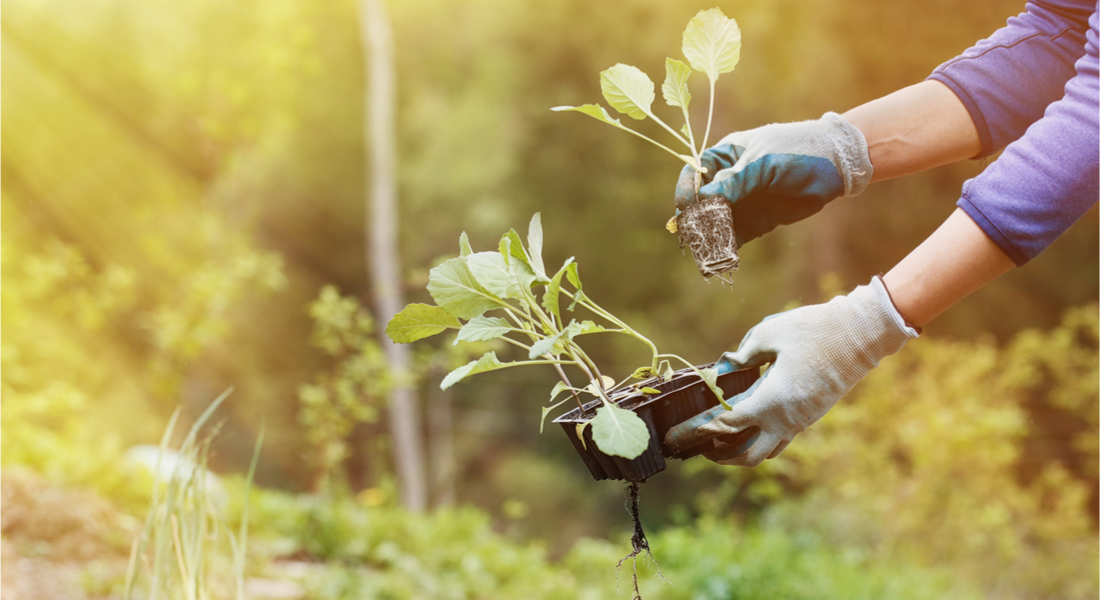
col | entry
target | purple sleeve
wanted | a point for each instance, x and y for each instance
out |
(1008, 79)
(1048, 178)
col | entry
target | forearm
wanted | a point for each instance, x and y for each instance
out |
(956, 260)
(914, 129)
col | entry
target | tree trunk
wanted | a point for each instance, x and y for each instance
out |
(382, 253)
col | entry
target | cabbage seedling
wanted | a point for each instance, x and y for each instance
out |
(508, 295)
(711, 44)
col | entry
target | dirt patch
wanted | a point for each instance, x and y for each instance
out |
(60, 524)
(53, 537)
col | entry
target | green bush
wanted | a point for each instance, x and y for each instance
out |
(386, 552)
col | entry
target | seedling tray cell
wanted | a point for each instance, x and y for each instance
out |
(682, 397)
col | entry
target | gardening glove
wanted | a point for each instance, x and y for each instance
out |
(817, 353)
(781, 173)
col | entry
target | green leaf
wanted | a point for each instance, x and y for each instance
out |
(585, 327)
(649, 390)
(488, 362)
(643, 373)
(483, 329)
(559, 387)
(455, 290)
(515, 246)
(577, 297)
(505, 249)
(464, 247)
(545, 345)
(523, 274)
(580, 433)
(534, 247)
(596, 112)
(665, 370)
(628, 90)
(710, 377)
(546, 410)
(619, 432)
(418, 321)
(490, 270)
(606, 383)
(675, 88)
(712, 43)
(553, 290)
(572, 275)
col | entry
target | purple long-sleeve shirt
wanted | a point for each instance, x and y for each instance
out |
(1032, 89)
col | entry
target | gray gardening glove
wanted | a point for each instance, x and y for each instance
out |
(781, 173)
(817, 353)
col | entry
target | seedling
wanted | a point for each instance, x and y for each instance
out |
(712, 45)
(513, 283)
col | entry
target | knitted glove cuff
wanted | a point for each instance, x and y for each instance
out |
(886, 329)
(850, 152)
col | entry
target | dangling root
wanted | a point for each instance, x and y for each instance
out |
(638, 543)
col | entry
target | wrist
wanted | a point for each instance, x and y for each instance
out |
(852, 154)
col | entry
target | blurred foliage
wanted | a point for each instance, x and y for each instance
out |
(182, 181)
(385, 552)
(350, 393)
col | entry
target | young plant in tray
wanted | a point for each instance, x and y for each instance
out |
(509, 295)
(712, 45)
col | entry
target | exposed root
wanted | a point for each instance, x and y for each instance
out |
(638, 542)
(706, 228)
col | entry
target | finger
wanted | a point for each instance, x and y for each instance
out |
(727, 446)
(688, 434)
(758, 213)
(718, 158)
(685, 187)
(779, 449)
(761, 447)
(753, 351)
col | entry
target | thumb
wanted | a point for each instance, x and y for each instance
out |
(719, 158)
(685, 187)
(753, 351)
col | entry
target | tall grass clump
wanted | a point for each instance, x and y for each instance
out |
(176, 554)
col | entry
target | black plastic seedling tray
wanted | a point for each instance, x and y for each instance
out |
(682, 397)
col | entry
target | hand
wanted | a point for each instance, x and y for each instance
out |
(782, 173)
(817, 353)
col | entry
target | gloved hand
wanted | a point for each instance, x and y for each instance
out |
(781, 173)
(817, 353)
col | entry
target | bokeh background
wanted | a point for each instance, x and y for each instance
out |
(184, 209)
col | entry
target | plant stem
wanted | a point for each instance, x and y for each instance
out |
(592, 306)
(710, 115)
(674, 133)
(515, 342)
(531, 334)
(660, 356)
(580, 353)
(691, 135)
(658, 144)
(561, 373)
